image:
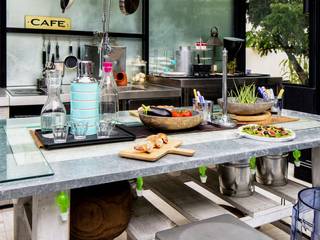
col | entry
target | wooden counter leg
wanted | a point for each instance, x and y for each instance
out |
(21, 225)
(316, 167)
(46, 221)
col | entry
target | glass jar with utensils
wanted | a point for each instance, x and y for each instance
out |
(203, 106)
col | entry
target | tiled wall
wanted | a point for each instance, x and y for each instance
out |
(172, 23)
(24, 50)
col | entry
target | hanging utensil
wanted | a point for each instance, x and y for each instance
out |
(79, 50)
(57, 51)
(44, 54)
(65, 4)
(48, 50)
(128, 7)
(71, 61)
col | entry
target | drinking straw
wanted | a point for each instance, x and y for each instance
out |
(280, 93)
(195, 95)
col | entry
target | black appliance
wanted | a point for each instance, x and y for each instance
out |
(201, 70)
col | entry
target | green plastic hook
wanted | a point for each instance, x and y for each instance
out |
(63, 202)
(296, 155)
(139, 183)
(203, 171)
(253, 163)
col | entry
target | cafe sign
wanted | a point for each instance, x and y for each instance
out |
(49, 23)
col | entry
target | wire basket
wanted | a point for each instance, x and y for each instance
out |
(306, 215)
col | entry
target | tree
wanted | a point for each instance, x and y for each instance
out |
(280, 25)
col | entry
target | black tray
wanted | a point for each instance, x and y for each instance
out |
(118, 135)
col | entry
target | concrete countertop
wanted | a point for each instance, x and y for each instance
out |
(4, 98)
(93, 165)
(131, 92)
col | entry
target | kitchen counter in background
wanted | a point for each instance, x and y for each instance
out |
(4, 103)
(196, 82)
(210, 87)
(4, 98)
(125, 93)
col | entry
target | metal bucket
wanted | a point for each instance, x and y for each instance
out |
(235, 179)
(272, 170)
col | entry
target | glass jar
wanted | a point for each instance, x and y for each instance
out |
(53, 112)
(138, 69)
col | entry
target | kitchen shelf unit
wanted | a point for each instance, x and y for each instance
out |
(4, 30)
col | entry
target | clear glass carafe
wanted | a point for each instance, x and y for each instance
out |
(53, 112)
(109, 96)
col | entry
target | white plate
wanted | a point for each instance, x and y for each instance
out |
(266, 139)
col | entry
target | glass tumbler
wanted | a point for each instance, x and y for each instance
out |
(204, 108)
(104, 129)
(79, 129)
(60, 133)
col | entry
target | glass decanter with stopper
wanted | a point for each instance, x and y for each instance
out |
(53, 112)
(109, 96)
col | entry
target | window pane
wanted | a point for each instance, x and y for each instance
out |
(278, 39)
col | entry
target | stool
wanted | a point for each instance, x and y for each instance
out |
(223, 227)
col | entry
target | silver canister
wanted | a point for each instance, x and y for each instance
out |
(184, 60)
(272, 170)
(235, 179)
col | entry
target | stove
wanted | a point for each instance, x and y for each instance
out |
(25, 92)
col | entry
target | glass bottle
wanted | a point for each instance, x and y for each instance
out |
(53, 112)
(109, 96)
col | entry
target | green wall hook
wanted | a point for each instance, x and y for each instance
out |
(203, 174)
(253, 164)
(297, 155)
(63, 202)
(139, 186)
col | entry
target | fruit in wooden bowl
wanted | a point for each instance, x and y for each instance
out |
(169, 119)
(234, 107)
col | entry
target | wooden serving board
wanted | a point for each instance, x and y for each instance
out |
(253, 118)
(157, 153)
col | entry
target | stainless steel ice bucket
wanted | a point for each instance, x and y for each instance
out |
(272, 170)
(235, 179)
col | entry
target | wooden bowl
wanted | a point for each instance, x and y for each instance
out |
(246, 109)
(171, 123)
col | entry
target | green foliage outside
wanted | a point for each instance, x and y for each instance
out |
(281, 25)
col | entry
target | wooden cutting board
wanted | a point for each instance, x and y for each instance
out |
(253, 118)
(157, 153)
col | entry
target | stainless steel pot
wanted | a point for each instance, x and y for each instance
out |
(235, 179)
(272, 170)
(184, 60)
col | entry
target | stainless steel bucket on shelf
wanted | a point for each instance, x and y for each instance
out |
(235, 179)
(272, 170)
